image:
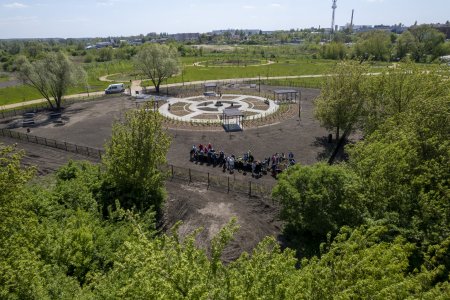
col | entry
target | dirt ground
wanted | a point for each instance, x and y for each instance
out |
(198, 207)
(89, 124)
(46, 159)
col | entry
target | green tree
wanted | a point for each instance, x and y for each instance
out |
(375, 44)
(137, 150)
(334, 50)
(319, 199)
(391, 93)
(340, 103)
(105, 54)
(429, 42)
(51, 76)
(404, 168)
(157, 62)
(406, 44)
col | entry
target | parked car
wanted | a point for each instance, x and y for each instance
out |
(115, 88)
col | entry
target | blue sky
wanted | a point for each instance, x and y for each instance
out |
(100, 18)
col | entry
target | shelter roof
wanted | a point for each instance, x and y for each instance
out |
(232, 112)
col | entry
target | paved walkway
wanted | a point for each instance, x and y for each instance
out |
(196, 109)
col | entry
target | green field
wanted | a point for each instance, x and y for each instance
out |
(4, 77)
(215, 65)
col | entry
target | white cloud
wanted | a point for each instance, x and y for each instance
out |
(106, 2)
(248, 7)
(275, 5)
(373, 1)
(15, 5)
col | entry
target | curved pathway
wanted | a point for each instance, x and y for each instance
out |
(200, 64)
(195, 107)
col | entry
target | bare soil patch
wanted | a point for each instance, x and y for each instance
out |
(198, 207)
(46, 159)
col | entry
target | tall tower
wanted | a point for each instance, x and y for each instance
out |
(332, 18)
(351, 21)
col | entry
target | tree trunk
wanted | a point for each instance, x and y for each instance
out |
(51, 104)
(339, 145)
(157, 88)
(58, 103)
(337, 134)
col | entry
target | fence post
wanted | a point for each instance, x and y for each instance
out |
(190, 177)
(208, 181)
(65, 145)
(87, 148)
(28, 138)
(100, 153)
(76, 148)
(35, 137)
(228, 184)
(10, 133)
(45, 139)
(56, 145)
(249, 188)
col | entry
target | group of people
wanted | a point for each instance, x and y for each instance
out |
(246, 163)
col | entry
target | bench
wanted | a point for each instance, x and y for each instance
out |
(253, 86)
(29, 115)
(28, 122)
(55, 115)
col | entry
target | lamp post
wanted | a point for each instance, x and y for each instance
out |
(167, 87)
(300, 105)
(259, 84)
(182, 73)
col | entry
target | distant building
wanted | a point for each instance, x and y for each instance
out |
(444, 28)
(233, 31)
(183, 37)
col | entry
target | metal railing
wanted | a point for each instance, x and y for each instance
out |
(69, 147)
(223, 183)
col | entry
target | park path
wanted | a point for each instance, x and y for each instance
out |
(136, 87)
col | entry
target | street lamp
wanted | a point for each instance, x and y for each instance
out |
(300, 104)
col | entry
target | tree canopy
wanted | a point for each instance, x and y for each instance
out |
(134, 155)
(51, 76)
(157, 62)
(341, 100)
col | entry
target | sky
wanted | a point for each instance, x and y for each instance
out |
(103, 18)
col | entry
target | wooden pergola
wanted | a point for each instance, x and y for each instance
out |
(229, 114)
(286, 95)
(210, 87)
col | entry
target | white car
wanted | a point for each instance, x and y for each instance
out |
(115, 88)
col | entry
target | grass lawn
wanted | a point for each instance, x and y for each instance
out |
(282, 68)
(21, 93)
(4, 77)
(17, 94)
